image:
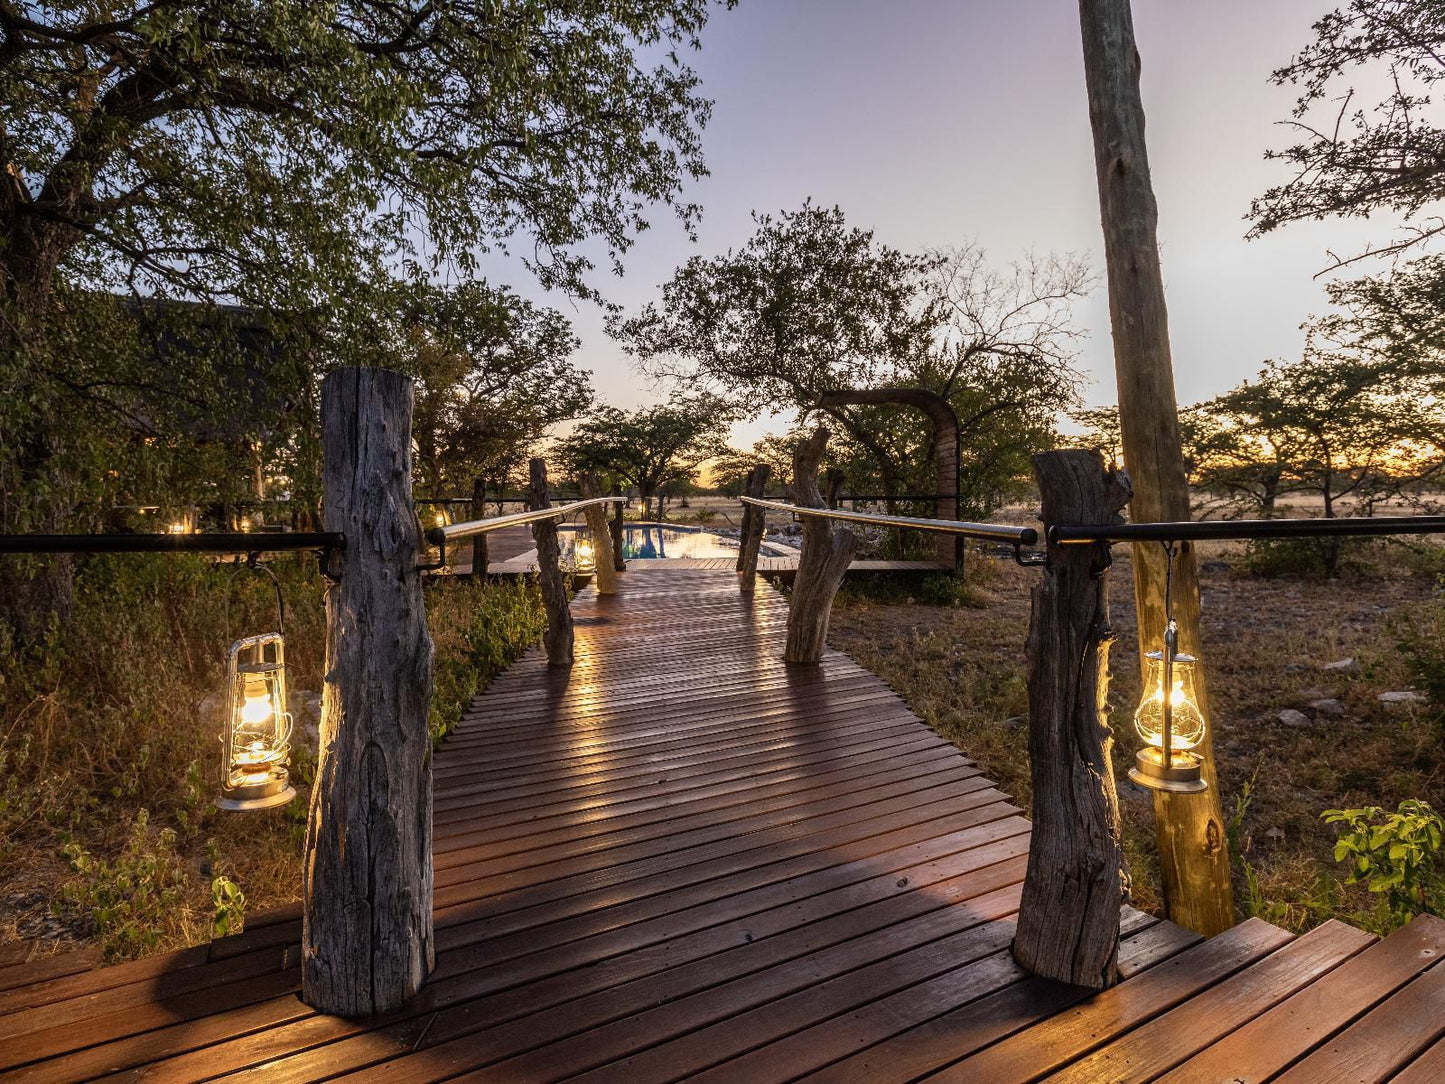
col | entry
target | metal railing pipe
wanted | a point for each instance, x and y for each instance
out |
(1244, 529)
(992, 532)
(234, 542)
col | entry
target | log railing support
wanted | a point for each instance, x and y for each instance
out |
(827, 552)
(481, 557)
(367, 877)
(617, 511)
(558, 637)
(1068, 925)
(606, 571)
(750, 539)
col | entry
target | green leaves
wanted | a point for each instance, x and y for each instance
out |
(1396, 856)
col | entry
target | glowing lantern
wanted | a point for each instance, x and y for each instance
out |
(1170, 721)
(179, 528)
(257, 738)
(584, 555)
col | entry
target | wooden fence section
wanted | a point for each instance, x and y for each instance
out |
(683, 860)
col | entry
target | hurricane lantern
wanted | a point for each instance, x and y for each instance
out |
(584, 554)
(257, 738)
(1170, 721)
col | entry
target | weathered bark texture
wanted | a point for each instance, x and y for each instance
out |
(618, 510)
(1068, 925)
(481, 557)
(558, 637)
(750, 539)
(945, 451)
(601, 534)
(1190, 827)
(367, 877)
(827, 552)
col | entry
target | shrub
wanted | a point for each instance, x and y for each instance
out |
(1307, 558)
(1396, 856)
(1422, 646)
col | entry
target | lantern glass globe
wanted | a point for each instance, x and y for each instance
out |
(1186, 723)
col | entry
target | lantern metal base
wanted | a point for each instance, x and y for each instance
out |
(253, 796)
(1181, 776)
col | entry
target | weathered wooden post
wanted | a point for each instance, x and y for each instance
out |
(367, 880)
(558, 637)
(601, 534)
(827, 552)
(481, 557)
(1193, 860)
(617, 511)
(750, 538)
(1068, 926)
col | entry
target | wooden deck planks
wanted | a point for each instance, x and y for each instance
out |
(682, 860)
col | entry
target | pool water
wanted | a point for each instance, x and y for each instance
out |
(643, 542)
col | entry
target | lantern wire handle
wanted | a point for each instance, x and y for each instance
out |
(254, 564)
(1171, 645)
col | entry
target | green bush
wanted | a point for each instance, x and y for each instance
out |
(1396, 856)
(1422, 646)
(109, 726)
(478, 629)
(1307, 558)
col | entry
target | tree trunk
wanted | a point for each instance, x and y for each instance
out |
(1068, 925)
(601, 537)
(558, 637)
(834, 487)
(481, 555)
(1190, 827)
(827, 552)
(750, 540)
(367, 941)
(943, 420)
(618, 510)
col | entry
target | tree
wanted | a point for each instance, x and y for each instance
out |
(314, 163)
(213, 147)
(810, 305)
(494, 375)
(1356, 160)
(649, 447)
(1350, 429)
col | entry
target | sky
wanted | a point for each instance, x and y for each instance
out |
(938, 122)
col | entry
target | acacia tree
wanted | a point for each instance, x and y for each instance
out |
(810, 305)
(494, 375)
(650, 447)
(1348, 429)
(1353, 159)
(304, 160)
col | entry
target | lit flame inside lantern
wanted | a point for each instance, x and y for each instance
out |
(584, 554)
(1186, 721)
(258, 734)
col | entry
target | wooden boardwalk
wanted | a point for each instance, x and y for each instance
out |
(682, 860)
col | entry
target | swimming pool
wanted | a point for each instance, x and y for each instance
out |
(642, 541)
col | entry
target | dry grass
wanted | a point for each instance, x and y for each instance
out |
(109, 752)
(961, 667)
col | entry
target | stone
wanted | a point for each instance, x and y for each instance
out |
(1274, 835)
(1404, 696)
(1293, 717)
(1342, 666)
(1327, 706)
(1316, 693)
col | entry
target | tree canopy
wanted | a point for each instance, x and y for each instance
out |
(650, 447)
(810, 304)
(1355, 158)
(275, 153)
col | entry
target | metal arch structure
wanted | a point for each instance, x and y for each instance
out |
(945, 449)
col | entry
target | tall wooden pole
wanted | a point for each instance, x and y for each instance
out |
(827, 552)
(367, 878)
(1190, 827)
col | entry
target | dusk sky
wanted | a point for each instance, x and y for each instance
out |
(936, 122)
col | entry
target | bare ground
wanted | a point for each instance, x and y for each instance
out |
(961, 668)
